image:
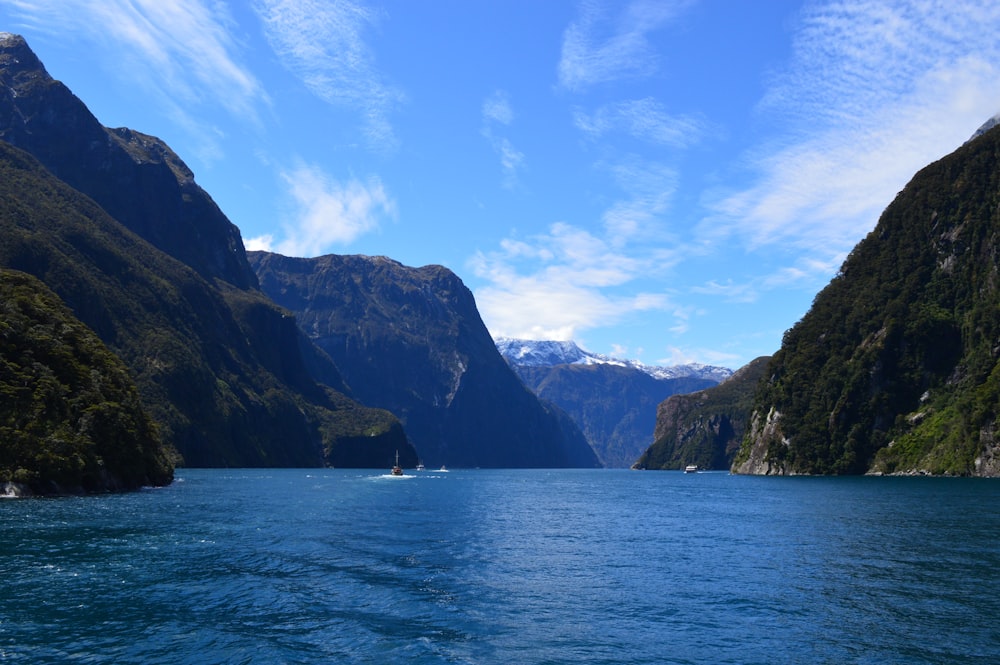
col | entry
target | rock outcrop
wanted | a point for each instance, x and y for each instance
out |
(704, 428)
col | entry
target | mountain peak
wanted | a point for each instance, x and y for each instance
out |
(134, 177)
(17, 57)
(539, 353)
(986, 126)
(546, 353)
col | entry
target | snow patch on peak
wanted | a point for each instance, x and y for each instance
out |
(539, 353)
(549, 352)
(986, 126)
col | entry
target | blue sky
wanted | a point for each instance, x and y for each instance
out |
(669, 181)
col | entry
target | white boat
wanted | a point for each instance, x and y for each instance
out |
(691, 468)
(442, 468)
(397, 470)
(420, 466)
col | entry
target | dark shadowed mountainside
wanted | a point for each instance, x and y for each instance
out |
(136, 178)
(411, 340)
(895, 368)
(218, 366)
(704, 428)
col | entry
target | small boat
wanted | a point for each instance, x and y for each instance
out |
(442, 468)
(691, 468)
(397, 470)
(420, 466)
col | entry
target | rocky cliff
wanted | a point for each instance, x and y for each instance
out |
(706, 427)
(895, 368)
(410, 340)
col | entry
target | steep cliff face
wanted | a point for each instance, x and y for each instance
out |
(615, 406)
(218, 365)
(894, 369)
(410, 340)
(136, 178)
(706, 427)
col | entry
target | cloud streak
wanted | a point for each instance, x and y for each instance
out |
(642, 119)
(603, 45)
(874, 91)
(498, 114)
(564, 282)
(323, 44)
(327, 212)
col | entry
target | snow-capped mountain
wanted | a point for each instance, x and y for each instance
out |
(533, 353)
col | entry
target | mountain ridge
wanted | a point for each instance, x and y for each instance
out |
(704, 428)
(547, 353)
(613, 401)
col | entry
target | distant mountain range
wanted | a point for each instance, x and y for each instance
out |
(613, 401)
(531, 353)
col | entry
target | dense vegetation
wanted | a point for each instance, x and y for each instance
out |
(894, 368)
(706, 427)
(70, 415)
(217, 367)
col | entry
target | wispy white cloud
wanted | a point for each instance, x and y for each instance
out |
(497, 109)
(323, 44)
(874, 92)
(558, 284)
(607, 43)
(182, 52)
(498, 113)
(561, 283)
(643, 119)
(729, 291)
(326, 212)
(649, 187)
(679, 356)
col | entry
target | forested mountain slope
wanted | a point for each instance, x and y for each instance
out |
(895, 369)
(70, 415)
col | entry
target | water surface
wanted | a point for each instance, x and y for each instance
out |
(613, 566)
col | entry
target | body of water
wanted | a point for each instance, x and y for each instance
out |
(348, 566)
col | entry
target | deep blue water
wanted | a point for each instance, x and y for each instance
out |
(347, 566)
